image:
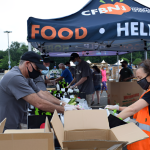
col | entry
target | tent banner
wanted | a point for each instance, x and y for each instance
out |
(100, 20)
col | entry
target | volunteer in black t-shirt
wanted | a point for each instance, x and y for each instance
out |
(126, 73)
(141, 108)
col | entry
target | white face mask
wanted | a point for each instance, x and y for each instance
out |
(45, 72)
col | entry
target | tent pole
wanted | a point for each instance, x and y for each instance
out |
(29, 46)
(118, 65)
(145, 54)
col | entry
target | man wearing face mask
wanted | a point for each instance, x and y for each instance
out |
(140, 110)
(17, 90)
(126, 74)
(39, 81)
(83, 77)
(66, 74)
(71, 69)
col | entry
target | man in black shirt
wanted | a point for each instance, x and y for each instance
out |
(126, 74)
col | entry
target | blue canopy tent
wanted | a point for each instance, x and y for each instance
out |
(120, 26)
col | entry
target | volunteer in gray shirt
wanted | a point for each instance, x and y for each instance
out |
(17, 90)
(97, 79)
(83, 77)
(40, 80)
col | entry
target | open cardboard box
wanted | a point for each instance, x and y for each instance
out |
(28, 139)
(89, 129)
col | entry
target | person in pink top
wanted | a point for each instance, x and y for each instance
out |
(104, 80)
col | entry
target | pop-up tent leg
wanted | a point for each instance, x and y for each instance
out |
(118, 65)
(145, 54)
(29, 46)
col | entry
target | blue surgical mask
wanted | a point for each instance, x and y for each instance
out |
(104, 68)
(45, 72)
(76, 63)
(67, 67)
(60, 69)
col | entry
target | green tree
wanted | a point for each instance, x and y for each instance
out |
(125, 59)
(4, 63)
(16, 50)
(137, 61)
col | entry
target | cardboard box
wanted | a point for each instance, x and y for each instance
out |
(28, 139)
(52, 89)
(134, 72)
(124, 93)
(114, 74)
(89, 130)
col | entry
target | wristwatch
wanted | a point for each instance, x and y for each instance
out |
(61, 103)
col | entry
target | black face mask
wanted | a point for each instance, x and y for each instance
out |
(123, 65)
(143, 83)
(34, 74)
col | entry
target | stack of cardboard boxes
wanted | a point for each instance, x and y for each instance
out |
(123, 93)
(115, 74)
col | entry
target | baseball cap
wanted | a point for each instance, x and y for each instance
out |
(73, 56)
(67, 63)
(46, 59)
(125, 62)
(35, 58)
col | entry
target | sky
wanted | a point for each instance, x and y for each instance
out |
(14, 15)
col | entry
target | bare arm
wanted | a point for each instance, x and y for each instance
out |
(133, 109)
(47, 96)
(73, 81)
(42, 104)
(83, 79)
(58, 79)
(122, 108)
(129, 78)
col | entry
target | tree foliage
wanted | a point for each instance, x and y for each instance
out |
(16, 50)
(125, 59)
(137, 61)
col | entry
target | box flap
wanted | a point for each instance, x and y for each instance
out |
(58, 128)
(47, 126)
(2, 124)
(25, 131)
(91, 144)
(129, 132)
(85, 119)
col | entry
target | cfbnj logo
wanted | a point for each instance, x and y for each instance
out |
(114, 9)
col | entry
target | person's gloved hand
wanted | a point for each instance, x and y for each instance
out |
(72, 87)
(112, 107)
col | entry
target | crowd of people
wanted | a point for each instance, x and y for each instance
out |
(26, 84)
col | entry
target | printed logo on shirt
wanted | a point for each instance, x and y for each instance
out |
(78, 71)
